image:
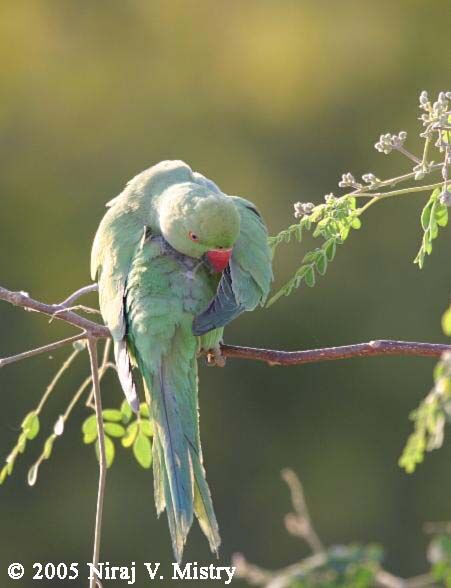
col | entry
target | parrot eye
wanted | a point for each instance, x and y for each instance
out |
(193, 236)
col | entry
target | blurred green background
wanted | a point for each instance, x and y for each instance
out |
(273, 100)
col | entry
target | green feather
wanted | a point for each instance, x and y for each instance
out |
(153, 281)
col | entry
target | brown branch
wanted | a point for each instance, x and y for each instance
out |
(58, 311)
(78, 294)
(370, 349)
(270, 356)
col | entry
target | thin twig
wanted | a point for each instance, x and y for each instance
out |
(386, 580)
(315, 564)
(78, 294)
(104, 366)
(299, 523)
(366, 190)
(45, 349)
(23, 300)
(56, 379)
(92, 348)
(377, 196)
(408, 154)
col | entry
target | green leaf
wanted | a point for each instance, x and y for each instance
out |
(114, 429)
(110, 451)
(30, 425)
(22, 442)
(111, 414)
(310, 257)
(126, 411)
(330, 247)
(89, 427)
(310, 277)
(3, 475)
(130, 435)
(48, 447)
(426, 215)
(446, 322)
(142, 450)
(144, 409)
(433, 216)
(90, 437)
(147, 427)
(10, 465)
(321, 264)
(441, 214)
(356, 223)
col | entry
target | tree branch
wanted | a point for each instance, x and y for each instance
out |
(370, 349)
(269, 356)
(78, 294)
(58, 311)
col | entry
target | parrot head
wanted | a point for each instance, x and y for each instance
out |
(200, 223)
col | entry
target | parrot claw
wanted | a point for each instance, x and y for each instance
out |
(215, 357)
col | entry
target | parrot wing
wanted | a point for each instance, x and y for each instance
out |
(132, 216)
(117, 239)
(246, 281)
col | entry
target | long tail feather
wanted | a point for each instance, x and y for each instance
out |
(180, 484)
(203, 505)
(174, 470)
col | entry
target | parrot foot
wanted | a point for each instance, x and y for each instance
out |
(215, 357)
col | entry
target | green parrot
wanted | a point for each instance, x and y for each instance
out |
(176, 259)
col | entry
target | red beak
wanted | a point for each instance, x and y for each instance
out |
(219, 258)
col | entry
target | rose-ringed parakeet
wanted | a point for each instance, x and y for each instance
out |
(176, 260)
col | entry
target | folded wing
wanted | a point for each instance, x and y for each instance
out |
(246, 281)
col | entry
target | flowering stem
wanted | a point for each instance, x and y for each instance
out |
(382, 195)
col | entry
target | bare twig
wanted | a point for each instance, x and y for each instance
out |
(299, 523)
(56, 379)
(92, 348)
(45, 349)
(23, 300)
(315, 564)
(386, 580)
(367, 190)
(78, 294)
(105, 365)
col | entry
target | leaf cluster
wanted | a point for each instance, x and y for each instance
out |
(134, 431)
(347, 566)
(331, 222)
(433, 412)
(433, 216)
(29, 430)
